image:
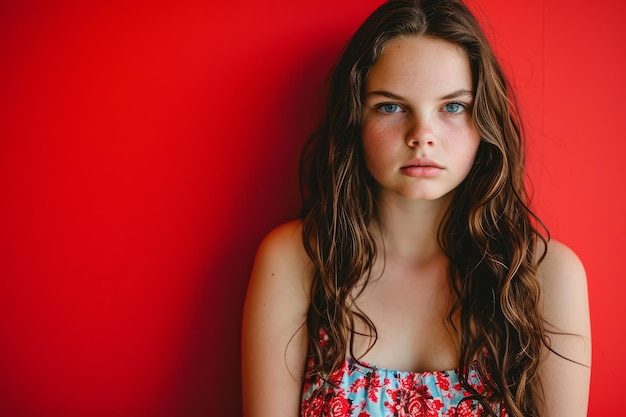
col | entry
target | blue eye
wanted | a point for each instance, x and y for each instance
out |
(454, 108)
(389, 108)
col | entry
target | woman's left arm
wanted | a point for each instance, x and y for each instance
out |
(566, 370)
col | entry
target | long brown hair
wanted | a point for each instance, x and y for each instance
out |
(489, 233)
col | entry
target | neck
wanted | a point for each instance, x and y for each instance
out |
(409, 229)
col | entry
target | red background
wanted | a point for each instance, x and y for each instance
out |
(147, 147)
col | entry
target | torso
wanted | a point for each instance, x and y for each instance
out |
(412, 369)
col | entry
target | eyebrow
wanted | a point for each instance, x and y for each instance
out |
(458, 93)
(453, 95)
(384, 93)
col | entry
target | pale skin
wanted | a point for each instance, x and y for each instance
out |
(419, 143)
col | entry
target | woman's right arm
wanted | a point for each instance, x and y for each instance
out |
(274, 337)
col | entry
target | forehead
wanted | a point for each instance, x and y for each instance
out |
(420, 62)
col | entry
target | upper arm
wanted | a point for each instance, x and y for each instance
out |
(565, 372)
(274, 338)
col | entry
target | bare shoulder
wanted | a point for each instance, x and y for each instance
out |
(281, 276)
(564, 290)
(274, 338)
(565, 370)
(561, 266)
(282, 248)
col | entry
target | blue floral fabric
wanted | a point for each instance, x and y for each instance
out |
(362, 390)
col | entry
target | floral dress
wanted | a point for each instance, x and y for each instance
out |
(362, 390)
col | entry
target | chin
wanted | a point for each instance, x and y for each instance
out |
(429, 196)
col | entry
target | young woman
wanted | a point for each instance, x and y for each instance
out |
(417, 281)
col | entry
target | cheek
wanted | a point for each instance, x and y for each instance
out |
(376, 146)
(474, 143)
(471, 143)
(378, 138)
(467, 140)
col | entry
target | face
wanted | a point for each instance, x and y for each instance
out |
(418, 136)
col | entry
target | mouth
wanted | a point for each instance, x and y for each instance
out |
(421, 163)
(421, 168)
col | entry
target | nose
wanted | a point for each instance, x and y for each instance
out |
(420, 133)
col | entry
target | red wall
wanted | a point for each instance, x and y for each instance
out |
(146, 148)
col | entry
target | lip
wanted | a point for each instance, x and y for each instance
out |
(421, 162)
(421, 167)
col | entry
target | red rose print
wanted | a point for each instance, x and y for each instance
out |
(339, 407)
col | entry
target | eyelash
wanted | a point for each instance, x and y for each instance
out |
(464, 106)
(381, 106)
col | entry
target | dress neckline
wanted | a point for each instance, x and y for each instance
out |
(368, 366)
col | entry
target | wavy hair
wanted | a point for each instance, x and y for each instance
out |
(489, 234)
